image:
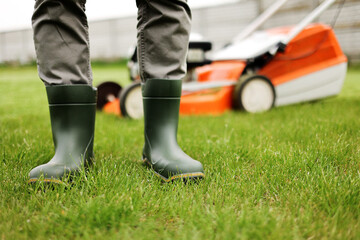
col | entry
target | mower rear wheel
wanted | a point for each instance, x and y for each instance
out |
(255, 94)
(131, 104)
(107, 92)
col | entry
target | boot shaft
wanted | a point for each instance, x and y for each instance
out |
(72, 114)
(161, 100)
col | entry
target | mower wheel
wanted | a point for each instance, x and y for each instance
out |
(107, 92)
(131, 104)
(255, 94)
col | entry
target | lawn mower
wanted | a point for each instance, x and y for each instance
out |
(110, 93)
(260, 70)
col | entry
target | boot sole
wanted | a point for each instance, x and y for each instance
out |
(35, 180)
(183, 176)
(87, 164)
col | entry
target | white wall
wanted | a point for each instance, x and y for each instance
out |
(112, 38)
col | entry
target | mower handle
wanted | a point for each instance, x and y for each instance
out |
(307, 20)
(259, 20)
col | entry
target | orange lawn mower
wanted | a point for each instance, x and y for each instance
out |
(257, 71)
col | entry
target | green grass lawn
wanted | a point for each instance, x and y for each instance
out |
(291, 173)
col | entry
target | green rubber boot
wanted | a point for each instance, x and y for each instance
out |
(161, 151)
(72, 114)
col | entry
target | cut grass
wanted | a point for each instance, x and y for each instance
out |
(291, 173)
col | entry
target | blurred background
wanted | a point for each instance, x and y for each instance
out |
(112, 25)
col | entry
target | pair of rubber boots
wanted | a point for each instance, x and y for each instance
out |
(72, 114)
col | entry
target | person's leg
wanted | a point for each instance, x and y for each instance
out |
(62, 48)
(163, 36)
(61, 42)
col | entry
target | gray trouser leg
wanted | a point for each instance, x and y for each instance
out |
(163, 36)
(62, 42)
